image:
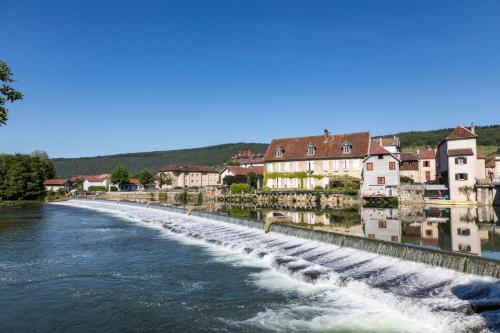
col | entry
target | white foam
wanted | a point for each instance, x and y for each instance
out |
(331, 302)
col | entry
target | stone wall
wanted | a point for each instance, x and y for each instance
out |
(411, 193)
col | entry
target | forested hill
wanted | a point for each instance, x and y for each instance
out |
(153, 161)
(487, 136)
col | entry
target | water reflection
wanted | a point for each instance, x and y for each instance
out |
(461, 229)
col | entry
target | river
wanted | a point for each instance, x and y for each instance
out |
(88, 266)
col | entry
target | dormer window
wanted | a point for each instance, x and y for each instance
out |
(311, 149)
(346, 148)
(279, 152)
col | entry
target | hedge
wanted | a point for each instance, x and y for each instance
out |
(97, 188)
(240, 187)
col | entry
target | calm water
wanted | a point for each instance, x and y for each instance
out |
(94, 267)
(468, 230)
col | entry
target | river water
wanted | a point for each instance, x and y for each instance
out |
(88, 266)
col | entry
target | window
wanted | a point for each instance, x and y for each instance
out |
(461, 176)
(461, 160)
(355, 164)
(369, 166)
(269, 167)
(380, 157)
(310, 166)
(381, 180)
(392, 165)
(311, 149)
(427, 164)
(325, 166)
(463, 231)
(336, 165)
(464, 248)
(428, 232)
(346, 148)
(394, 238)
(346, 164)
(382, 224)
(371, 236)
(279, 152)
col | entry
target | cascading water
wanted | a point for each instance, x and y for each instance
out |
(343, 267)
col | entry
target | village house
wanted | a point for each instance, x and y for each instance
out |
(187, 175)
(409, 167)
(456, 162)
(94, 181)
(391, 144)
(240, 173)
(380, 173)
(133, 185)
(426, 165)
(490, 169)
(308, 162)
(55, 185)
(246, 158)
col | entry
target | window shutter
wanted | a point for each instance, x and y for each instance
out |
(465, 160)
(456, 160)
(456, 176)
(465, 176)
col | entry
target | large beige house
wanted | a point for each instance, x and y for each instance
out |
(186, 175)
(308, 162)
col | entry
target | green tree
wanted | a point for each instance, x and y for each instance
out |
(467, 190)
(145, 177)
(164, 179)
(120, 176)
(7, 93)
(22, 176)
(252, 179)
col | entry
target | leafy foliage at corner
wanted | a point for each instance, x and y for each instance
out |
(153, 161)
(22, 176)
(7, 93)
(97, 188)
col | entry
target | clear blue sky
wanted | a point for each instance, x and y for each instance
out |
(103, 77)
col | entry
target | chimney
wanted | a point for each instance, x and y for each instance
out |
(472, 128)
(380, 142)
(326, 134)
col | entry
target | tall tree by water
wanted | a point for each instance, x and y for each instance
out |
(7, 93)
(120, 175)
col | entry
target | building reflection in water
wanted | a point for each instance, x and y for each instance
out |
(458, 229)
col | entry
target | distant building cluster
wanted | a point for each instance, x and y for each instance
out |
(451, 170)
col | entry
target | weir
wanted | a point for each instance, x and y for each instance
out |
(460, 262)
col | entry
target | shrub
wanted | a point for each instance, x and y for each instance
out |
(182, 197)
(407, 180)
(163, 197)
(97, 188)
(240, 187)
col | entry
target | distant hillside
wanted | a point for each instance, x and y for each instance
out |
(153, 161)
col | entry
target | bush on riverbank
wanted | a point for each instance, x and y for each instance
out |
(240, 188)
(97, 188)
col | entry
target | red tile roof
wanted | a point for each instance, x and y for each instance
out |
(239, 171)
(55, 182)
(460, 132)
(376, 149)
(409, 157)
(490, 164)
(481, 156)
(329, 146)
(134, 181)
(190, 168)
(460, 152)
(409, 165)
(426, 155)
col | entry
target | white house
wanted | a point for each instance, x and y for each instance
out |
(241, 172)
(380, 172)
(55, 185)
(95, 180)
(456, 162)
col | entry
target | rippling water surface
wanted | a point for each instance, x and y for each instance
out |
(105, 267)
